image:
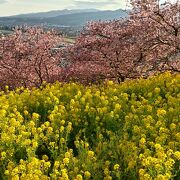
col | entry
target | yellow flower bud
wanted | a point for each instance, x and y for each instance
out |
(6, 172)
(87, 174)
(62, 140)
(116, 167)
(35, 144)
(79, 177)
(117, 106)
(3, 155)
(62, 122)
(67, 155)
(66, 160)
(90, 154)
(61, 129)
(172, 126)
(177, 155)
(56, 164)
(106, 171)
(35, 116)
(45, 157)
(157, 90)
(161, 112)
(142, 141)
(110, 83)
(141, 172)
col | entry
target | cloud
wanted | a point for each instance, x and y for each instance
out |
(3, 1)
(12, 7)
(94, 4)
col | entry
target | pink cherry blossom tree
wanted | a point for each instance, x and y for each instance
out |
(27, 57)
(146, 42)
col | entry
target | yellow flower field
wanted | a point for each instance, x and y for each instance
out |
(70, 131)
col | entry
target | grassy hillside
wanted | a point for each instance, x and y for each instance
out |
(109, 131)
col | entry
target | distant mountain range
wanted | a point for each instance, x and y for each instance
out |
(69, 18)
(54, 13)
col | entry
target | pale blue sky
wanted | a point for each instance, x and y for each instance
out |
(12, 7)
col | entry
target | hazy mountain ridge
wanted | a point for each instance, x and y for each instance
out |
(82, 18)
(53, 13)
(63, 17)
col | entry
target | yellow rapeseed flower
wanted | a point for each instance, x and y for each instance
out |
(62, 140)
(142, 141)
(6, 172)
(79, 177)
(177, 155)
(67, 155)
(117, 106)
(110, 83)
(157, 90)
(87, 174)
(116, 167)
(45, 157)
(91, 154)
(161, 112)
(34, 144)
(62, 122)
(66, 160)
(3, 155)
(35, 116)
